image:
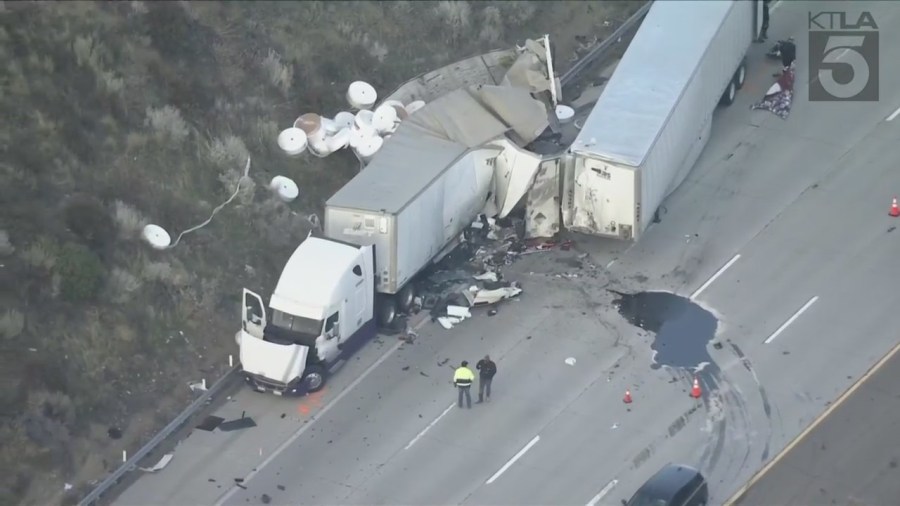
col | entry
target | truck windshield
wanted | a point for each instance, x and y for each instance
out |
(298, 324)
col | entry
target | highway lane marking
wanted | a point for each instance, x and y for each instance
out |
(821, 418)
(316, 417)
(513, 460)
(715, 276)
(791, 320)
(894, 115)
(600, 495)
(430, 425)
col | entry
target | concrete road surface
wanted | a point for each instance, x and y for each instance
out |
(781, 231)
(847, 458)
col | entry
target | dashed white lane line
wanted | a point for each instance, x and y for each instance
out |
(791, 319)
(426, 429)
(513, 460)
(715, 276)
(600, 495)
(894, 115)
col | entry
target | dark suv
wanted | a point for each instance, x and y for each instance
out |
(673, 485)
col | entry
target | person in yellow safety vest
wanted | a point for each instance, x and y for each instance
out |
(463, 378)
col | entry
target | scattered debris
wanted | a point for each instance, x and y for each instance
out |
(280, 487)
(283, 415)
(241, 423)
(405, 368)
(570, 361)
(265, 499)
(487, 276)
(198, 386)
(211, 480)
(67, 487)
(114, 433)
(210, 423)
(163, 462)
(423, 374)
(442, 363)
(241, 486)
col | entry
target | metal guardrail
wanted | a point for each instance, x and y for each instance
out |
(198, 403)
(167, 431)
(605, 45)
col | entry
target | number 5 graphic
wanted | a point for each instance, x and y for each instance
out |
(846, 48)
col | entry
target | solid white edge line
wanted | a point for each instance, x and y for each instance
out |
(312, 420)
(791, 319)
(600, 495)
(513, 460)
(774, 6)
(715, 276)
(894, 115)
(430, 425)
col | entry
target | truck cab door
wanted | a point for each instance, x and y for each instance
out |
(253, 316)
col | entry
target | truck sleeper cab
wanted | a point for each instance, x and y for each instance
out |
(319, 314)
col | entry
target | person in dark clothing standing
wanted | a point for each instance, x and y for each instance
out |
(486, 371)
(763, 34)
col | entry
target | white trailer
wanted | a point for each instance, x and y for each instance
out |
(654, 117)
(405, 210)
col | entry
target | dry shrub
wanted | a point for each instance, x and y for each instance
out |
(41, 254)
(280, 74)
(92, 54)
(81, 273)
(12, 322)
(167, 123)
(230, 155)
(122, 285)
(491, 25)
(6, 247)
(166, 273)
(129, 221)
(455, 15)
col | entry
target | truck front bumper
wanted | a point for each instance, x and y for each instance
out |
(295, 388)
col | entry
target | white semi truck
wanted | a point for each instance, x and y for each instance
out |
(404, 211)
(652, 120)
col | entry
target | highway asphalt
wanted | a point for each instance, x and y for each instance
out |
(847, 458)
(788, 219)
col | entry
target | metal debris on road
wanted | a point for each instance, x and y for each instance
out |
(570, 361)
(163, 462)
(244, 422)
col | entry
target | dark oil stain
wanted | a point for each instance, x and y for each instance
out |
(682, 330)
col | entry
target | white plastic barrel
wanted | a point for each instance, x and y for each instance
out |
(361, 95)
(292, 141)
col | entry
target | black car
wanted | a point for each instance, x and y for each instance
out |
(673, 485)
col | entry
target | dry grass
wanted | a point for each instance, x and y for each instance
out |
(129, 113)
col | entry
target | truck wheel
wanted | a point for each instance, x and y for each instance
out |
(314, 378)
(385, 310)
(740, 76)
(405, 297)
(730, 92)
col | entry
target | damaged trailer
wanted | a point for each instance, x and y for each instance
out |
(654, 117)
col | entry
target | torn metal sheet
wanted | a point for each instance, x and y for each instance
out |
(163, 462)
(486, 297)
(514, 172)
(458, 312)
(542, 217)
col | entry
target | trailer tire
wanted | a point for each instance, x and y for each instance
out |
(405, 297)
(385, 310)
(740, 75)
(728, 96)
(314, 378)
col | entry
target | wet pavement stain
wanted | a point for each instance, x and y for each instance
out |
(681, 329)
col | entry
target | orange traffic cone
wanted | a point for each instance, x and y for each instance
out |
(895, 210)
(696, 393)
(627, 398)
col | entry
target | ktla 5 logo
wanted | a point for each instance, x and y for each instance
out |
(843, 57)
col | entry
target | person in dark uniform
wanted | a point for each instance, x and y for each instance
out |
(463, 378)
(763, 34)
(486, 371)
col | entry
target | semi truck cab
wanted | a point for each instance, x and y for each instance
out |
(320, 313)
